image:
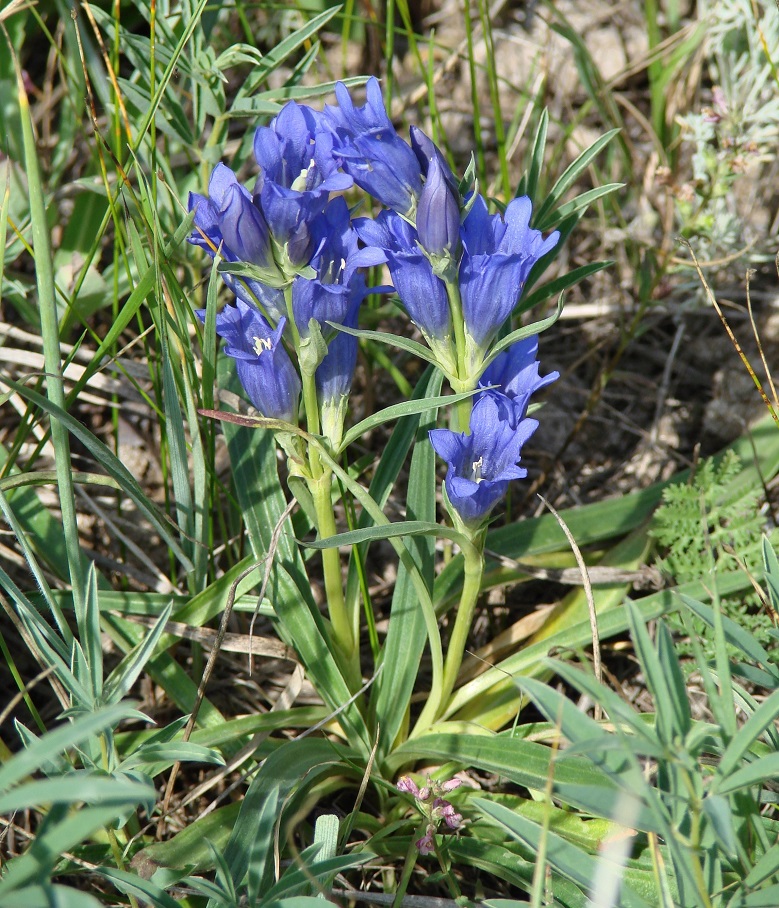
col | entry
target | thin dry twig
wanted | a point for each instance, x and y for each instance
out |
(756, 334)
(17, 698)
(644, 578)
(274, 544)
(596, 659)
(731, 335)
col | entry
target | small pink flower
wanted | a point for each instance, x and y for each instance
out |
(426, 844)
(443, 810)
(408, 785)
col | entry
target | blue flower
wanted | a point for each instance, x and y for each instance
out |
(481, 464)
(514, 373)
(334, 376)
(296, 152)
(422, 293)
(425, 149)
(263, 365)
(498, 255)
(297, 174)
(328, 296)
(371, 151)
(438, 213)
(229, 222)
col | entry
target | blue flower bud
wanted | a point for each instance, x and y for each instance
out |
(438, 213)
(335, 373)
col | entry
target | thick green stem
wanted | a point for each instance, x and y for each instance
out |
(461, 411)
(331, 563)
(474, 568)
(441, 689)
(458, 325)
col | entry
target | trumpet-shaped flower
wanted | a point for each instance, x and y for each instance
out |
(263, 365)
(296, 152)
(297, 175)
(229, 222)
(481, 464)
(371, 151)
(422, 293)
(514, 377)
(499, 252)
(327, 297)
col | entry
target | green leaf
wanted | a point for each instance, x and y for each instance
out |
(679, 722)
(763, 898)
(717, 811)
(618, 710)
(408, 528)
(404, 643)
(110, 463)
(190, 847)
(580, 203)
(762, 718)
(560, 284)
(734, 634)
(755, 773)
(71, 734)
(407, 408)
(529, 183)
(132, 884)
(287, 772)
(299, 878)
(611, 754)
(668, 724)
(567, 859)
(276, 57)
(129, 669)
(60, 831)
(543, 216)
(522, 333)
(525, 763)
(771, 564)
(78, 786)
(46, 896)
(766, 867)
(183, 751)
(393, 340)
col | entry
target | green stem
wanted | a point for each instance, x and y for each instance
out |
(474, 569)
(331, 562)
(461, 412)
(408, 866)
(308, 382)
(695, 840)
(442, 687)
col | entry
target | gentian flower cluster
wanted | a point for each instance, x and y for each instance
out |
(294, 258)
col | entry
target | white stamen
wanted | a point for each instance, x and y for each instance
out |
(476, 470)
(261, 344)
